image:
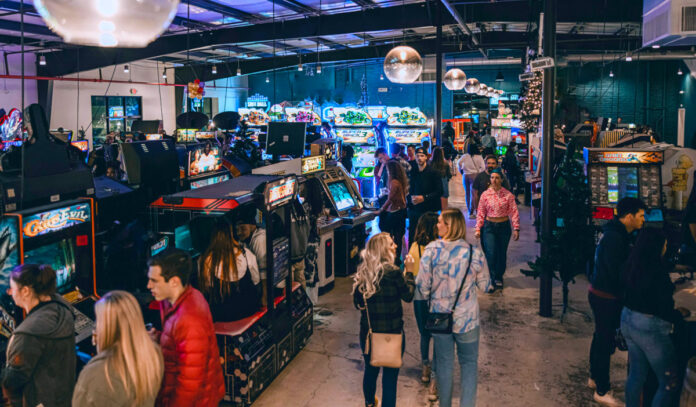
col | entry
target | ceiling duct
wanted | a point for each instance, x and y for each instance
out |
(669, 23)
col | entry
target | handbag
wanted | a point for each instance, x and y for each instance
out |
(620, 341)
(442, 322)
(384, 349)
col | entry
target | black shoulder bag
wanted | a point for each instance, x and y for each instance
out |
(442, 322)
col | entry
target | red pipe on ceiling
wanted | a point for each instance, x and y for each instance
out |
(50, 78)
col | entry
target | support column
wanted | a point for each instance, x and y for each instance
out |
(438, 77)
(549, 43)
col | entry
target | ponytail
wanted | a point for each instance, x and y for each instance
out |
(39, 277)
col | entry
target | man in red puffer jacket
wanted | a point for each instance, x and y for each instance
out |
(192, 370)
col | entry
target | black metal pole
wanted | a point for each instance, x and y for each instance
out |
(549, 43)
(438, 76)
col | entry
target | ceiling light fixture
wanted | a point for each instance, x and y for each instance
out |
(214, 70)
(611, 74)
(629, 57)
(239, 68)
(123, 23)
(681, 92)
(656, 46)
(499, 77)
(403, 64)
(268, 80)
(126, 69)
(454, 79)
(164, 73)
(318, 68)
(42, 60)
(299, 66)
(679, 72)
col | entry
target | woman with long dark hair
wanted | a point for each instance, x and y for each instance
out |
(647, 320)
(443, 168)
(378, 288)
(228, 276)
(393, 212)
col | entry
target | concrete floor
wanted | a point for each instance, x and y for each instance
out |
(525, 360)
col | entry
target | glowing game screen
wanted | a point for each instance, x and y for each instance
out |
(9, 248)
(339, 192)
(364, 157)
(61, 257)
(204, 159)
(209, 181)
(622, 182)
(276, 194)
(83, 145)
(150, 137)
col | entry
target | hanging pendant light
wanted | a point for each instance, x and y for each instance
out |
(164, 74)
(499, 77)
(108, 23)
(318, 69)
(126, 69)
(214, 70)
(403, 64)
(42, 60)
(611, 74)
(679, 72)
(472, 85)
(454, 79)
(239, 68)
(268, 80)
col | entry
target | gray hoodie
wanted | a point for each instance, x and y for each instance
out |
(40, 367)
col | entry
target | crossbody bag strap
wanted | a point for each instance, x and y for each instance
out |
(369, 326)
(461, 287)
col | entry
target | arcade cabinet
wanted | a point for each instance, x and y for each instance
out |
(203, 166)
(407, 126)
(308, 170)
(151, 166)
(49, 219)
(286, 139)
(257, 123)
(354, 127)
(617, 173)
(257, 348)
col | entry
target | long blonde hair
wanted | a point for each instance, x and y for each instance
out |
(376, 254)
(121, 334)
(456, 224)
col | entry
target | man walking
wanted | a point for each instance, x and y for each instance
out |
(425, 191)
(605, 293)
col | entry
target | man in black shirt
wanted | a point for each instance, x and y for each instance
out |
(606, 292)
(425, 190)
(483, 180)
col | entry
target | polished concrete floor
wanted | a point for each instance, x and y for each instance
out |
(525, 360)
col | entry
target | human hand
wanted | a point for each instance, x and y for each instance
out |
(685, 312)
(154, 334)
(417, 199)
(409, 264)
(477, 235)
(515, 235)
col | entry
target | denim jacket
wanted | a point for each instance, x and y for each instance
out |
(442, 268)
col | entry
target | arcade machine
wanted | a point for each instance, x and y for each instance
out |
(308, 170)
(501, 129)
(354, 127)
(49, 219)
(257, 122)
(184, 136)
(255, 349)
(203, 167)
(617, 173)
(407, 126)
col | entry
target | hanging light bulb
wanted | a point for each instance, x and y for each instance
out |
(381, 77)
(656, 46)
(164, 74)
(499, 77)
(611, 74)
(214, 70)
(403, 64)
(268, 80)
(126, 69)
(42, 60)
(239, 71)
(681, 92)
(454, 79)
(629, 57)
(110, 23)
(472, 85)
(679, 72)
(318, 68)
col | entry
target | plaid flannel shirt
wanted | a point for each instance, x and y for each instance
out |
(386, 313)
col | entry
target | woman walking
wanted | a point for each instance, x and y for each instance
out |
(426, 232)
(381, 283)
(497, 220)
(40, 367)
(127, 370)
(443, 168)
(647, 320)
(470, 165)
(393, 212)
(448, 266)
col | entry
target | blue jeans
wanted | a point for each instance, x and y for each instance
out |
(467, 353)
(420, 308)
(495, 238)
(649, 347)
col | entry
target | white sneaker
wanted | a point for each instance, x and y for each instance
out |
(591, 384)
(608, 400)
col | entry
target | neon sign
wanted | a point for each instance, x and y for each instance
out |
(55, 220)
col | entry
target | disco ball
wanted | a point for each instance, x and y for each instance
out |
(472, 85)
(108, 23)
(454, 79)
(483, 90)
(403, 65)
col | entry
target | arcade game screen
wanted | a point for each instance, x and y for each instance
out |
(204, 159)
(364, 156)
(9, 249)
(59, 255)
(501, 150)
(339, 192)
(83, 145)
(622, 182)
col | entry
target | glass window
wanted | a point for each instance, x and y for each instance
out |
(133, 106)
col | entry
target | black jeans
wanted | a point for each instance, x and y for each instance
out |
(390, 376)
(394, 223)
(607, 318)
(495, 238)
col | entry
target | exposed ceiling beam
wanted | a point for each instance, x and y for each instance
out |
(328, 43)
(225, 10)
(365, 3)
(462, 23)
(28, 28)
(296, 6)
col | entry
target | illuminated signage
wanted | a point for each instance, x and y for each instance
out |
(313, 164)
(406, 116)
(56, 219)
(353, 136)
(83, 145)
(160, 246)
(280, 192)
(404, 136)
(626, 157)
(346, 116)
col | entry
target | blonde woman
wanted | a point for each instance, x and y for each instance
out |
(382, 284)
(128, 368)
(445, 266)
